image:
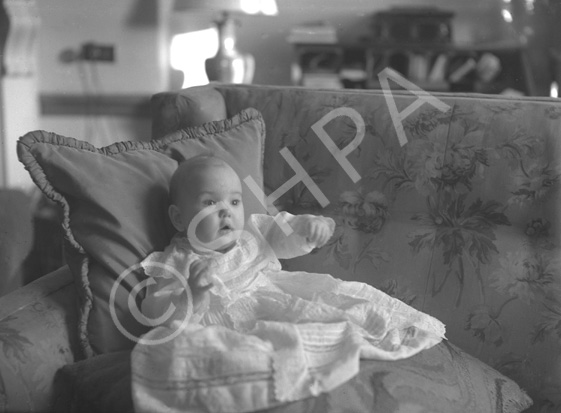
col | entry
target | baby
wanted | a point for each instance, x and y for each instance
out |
(200, 185)
(255, 335)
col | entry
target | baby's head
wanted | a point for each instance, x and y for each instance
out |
(200, 183)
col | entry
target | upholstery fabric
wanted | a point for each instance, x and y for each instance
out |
(100, 384)
(115, 208)
(203, 104)
(37, 337)
(16, 238)
(442, 379)
(461, 222)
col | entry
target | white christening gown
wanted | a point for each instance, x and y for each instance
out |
(267, 336)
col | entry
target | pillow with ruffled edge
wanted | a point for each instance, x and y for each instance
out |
(114, 201)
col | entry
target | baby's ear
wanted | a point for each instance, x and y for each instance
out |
(175, 217)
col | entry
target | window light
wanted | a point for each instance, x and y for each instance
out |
(188, 52)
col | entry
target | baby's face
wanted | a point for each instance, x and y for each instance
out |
(210, 187)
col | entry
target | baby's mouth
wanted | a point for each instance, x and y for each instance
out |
(225, 228)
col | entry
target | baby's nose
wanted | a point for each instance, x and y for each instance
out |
(224, 211)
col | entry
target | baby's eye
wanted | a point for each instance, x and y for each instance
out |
(209, 202)
(236, 202)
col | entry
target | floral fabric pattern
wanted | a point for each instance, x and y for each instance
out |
(461, 222)
(35, 341)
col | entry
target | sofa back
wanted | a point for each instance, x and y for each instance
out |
(449, 202)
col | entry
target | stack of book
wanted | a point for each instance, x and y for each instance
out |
(428, 71)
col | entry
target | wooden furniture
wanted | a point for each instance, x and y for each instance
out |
(417, 42)
(19, 112)
(413, 24)
(433, 67)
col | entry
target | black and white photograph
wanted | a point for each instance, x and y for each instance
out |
(280, 206)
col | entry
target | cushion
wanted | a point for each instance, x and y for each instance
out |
(115, 209)
(95, 385)
(202, 103)
(442, 379)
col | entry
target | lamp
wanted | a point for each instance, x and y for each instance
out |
(229, 65)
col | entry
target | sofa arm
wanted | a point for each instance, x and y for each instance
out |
(37, 337)
(172, 111)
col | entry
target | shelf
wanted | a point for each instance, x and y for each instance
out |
(486, 68)
(428, 86)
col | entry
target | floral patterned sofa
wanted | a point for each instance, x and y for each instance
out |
(449, 202)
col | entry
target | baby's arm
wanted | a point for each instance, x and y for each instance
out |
(307, 232)
(316, 230)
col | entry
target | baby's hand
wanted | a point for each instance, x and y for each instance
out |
(317, 231)
(200, 281)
